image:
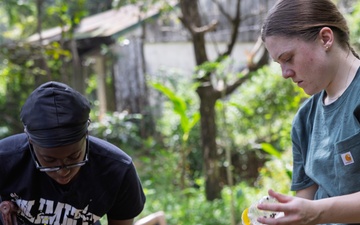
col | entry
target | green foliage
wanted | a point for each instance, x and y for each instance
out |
(222, 71)
(258, 116)
(4, 26)
(190, 206)
(19, 75)
(21, 18)
(143, 3)
(63, 13)
(25, 65)
(276, 174)
(270, 150)
(179, 108)
(206, 68)
(264, 110)
(15, 86)
(182, 105)
(120, 129)
(354, 21)
(257, 119)
(187, 122)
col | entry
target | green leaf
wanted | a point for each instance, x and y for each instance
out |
(266, 147)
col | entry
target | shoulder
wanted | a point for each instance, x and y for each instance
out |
(104, 150)
(13, 156)
(307, 109)
(13, 144)
(304, 118)
(109, 165)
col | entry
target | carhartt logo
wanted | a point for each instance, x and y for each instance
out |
(347, 158)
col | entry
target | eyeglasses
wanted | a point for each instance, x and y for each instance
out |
(57, 168)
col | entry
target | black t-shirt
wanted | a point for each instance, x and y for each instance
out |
(107, 184)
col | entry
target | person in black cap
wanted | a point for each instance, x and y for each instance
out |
(56, 173)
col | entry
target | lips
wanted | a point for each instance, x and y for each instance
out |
(298, 82)
(63, 180)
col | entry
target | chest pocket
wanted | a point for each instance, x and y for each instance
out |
(347, 164)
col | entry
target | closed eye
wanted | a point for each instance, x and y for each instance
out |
(75, 156)
(72, 157)
(49, 160)
(288, 59)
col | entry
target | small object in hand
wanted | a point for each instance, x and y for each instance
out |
(8, 211)
(250, 215)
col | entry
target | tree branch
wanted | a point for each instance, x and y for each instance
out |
(207, 28)
(254, 62)
(235, 23)
(192, 20)
(222, 10)
(199, 30)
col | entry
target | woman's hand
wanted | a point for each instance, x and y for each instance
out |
(296, 210)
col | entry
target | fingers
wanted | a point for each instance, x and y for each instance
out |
(267, 221)
(279, 221)
(293, 210)
(279, 197)
(276, 207)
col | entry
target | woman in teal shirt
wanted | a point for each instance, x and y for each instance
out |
(310, 41)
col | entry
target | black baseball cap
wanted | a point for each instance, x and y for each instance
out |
(55, 115)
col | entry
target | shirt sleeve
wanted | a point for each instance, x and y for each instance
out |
(299, 137)
(130, 199)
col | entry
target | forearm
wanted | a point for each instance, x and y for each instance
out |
(120, 222)
(340, 209)
(307, 193)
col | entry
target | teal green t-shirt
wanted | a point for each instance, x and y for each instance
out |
(326, 144)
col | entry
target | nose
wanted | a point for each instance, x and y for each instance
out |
(63, 171)
(286, 72)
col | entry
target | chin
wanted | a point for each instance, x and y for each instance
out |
(311, 92)
(62, 180)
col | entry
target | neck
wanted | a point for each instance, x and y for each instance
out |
(342, 79)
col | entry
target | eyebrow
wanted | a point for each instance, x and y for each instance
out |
(278, 58)
(287, 52)
(66, 156)
(72, 154)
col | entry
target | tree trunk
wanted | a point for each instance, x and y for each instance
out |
(208, 94)
(131, 86)
(99, 68)
(78, 79)
(192, 21)
(42, 61)
(208, 139)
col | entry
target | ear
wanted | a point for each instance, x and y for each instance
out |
(30, 141)
(326, 37)
(25, 130)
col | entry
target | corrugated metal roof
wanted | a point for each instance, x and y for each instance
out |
(104, 24)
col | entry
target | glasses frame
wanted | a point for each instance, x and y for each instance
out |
(57, 168)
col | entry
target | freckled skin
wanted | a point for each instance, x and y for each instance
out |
(306, 63)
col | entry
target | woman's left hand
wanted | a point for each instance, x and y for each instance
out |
(296, 210)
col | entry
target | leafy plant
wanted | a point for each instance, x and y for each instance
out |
(120, 129)
(354, 20)
(187, 122)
